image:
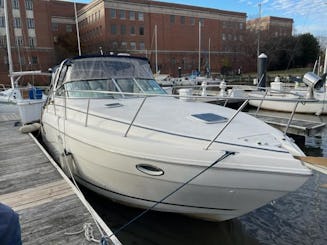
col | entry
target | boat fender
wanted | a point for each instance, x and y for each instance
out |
(29, 128)
(67, 163)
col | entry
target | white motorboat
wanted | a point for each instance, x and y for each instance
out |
(310, 101)
(109, 122)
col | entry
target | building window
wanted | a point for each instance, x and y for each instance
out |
(241, 26)
(223, 36)
(241, 38)
(140, 16)
(113, 13)
(133, 45)
(114, 45)
(192, 21)
(32, 42)
(122, 14)
(141, 31)
(132, 30)
(69, 28)
(124, 45)
(17, 23)
(172, 19)
(131, 15)
(1, 4)
(55, 26)
(29, 4)
(2, 21)
(30, 23)
(15, 4)
(3, 42)
(182, 19)
(34, 60)
(201, 20)
(122, 29)
(19, 41)
(113, 29)
(142, 46)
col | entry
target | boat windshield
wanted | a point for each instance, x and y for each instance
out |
(85, 76)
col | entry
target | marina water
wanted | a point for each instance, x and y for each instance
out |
(299, 217)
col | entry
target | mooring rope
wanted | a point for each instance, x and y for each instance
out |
(227, 153)
(87, 227)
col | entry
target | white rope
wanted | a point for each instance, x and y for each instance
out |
(88, 233)
(86, 227)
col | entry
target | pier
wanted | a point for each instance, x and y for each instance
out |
(296, 126)
(51, 209)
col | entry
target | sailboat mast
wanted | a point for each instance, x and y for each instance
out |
(199, 65)
(325, 62)
(8, 43)
(77, 31)
(156, 46)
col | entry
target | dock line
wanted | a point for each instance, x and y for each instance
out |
(80, 195)
(226, 154)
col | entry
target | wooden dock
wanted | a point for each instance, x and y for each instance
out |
(297, 127)
(51, 210)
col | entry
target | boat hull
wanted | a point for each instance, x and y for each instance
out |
(317, 107)
(218, 194)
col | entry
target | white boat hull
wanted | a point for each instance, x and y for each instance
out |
(317, 107)
(223, 192)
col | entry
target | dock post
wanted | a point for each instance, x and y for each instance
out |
(262, 70)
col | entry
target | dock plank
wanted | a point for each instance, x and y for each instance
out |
(297, 127)
(48, 206)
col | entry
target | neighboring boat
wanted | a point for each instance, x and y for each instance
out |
(108, 120)
(10, 95)
(311, 101)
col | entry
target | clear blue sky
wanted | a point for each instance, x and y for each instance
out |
(308, 15)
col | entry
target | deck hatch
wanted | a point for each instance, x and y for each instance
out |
(209, 118)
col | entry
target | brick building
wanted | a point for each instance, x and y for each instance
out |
(129, 26)
(273, 26)
(34, 26)
(43, 32)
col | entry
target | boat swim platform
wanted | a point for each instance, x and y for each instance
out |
(50, 209)
(296, 127)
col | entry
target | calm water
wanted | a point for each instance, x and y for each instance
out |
(297, 218)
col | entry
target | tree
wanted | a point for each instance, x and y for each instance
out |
(291, 52)
(66, 46)
(309, 48)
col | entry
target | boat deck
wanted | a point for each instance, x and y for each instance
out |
(48, 204)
